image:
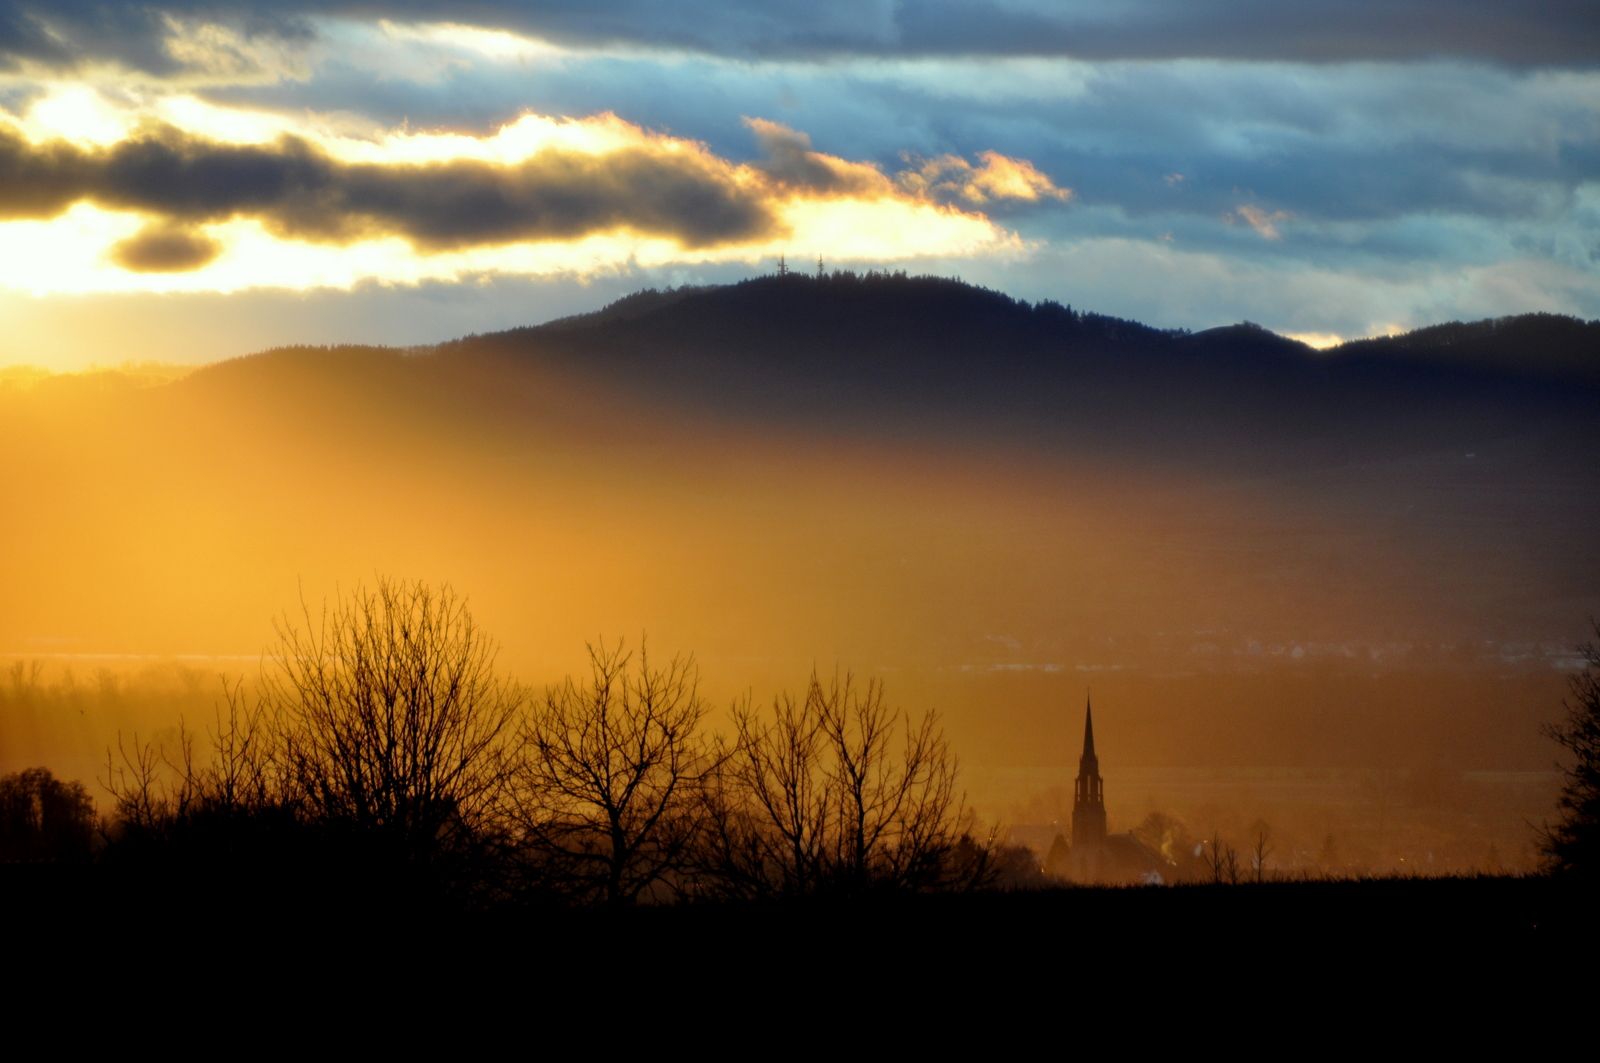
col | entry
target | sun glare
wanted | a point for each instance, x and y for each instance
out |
(1320, 340)
(513, 143)
(79, 114)
(889, 229)
(228, 125)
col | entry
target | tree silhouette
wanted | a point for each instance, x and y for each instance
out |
(44, 818)
(607, 798)
(1573, 845)
(382, 740)
(1262, 850)
(837, 791)
(1222, 861)
(392, 722)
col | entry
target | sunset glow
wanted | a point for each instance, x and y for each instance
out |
(941, 476)
(865, 215)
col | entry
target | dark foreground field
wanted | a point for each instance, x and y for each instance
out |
(1334, 957)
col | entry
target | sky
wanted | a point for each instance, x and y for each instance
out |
(187, 182)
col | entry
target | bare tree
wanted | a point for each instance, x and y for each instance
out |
(769, 815)
(158, 794)
(1573, 845)
(608, 797)
(839, 791)
(142, 800)
(1222, 860)
(893, 810)
(1262, 850)
(246, 771)
(393, 721)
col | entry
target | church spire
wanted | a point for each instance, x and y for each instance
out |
(1088, 763)
(1088, 797)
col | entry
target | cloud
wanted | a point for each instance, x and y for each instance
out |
(1363, 170)
(238, 53)
(790, 162)
(243, 201)
(950, 177)
(1326, 142)
(1534, 32)
(301, 192)
(163, 248)
(1262, 222)
(173, 39)
(1530, 32)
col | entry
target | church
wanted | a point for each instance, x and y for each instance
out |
(1095, 856)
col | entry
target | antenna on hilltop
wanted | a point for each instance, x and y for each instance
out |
(783, 267)
(820, 271)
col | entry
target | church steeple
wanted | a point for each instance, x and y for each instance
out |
(1088, 737)
(1088, 799)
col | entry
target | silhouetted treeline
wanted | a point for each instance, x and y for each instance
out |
(383, 745)
(383, 741)
(901, 323)
(1542, 344)
(43, 818)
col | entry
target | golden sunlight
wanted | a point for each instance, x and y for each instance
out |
(1322, 341)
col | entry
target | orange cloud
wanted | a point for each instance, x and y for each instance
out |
(1262, 222)
(998, 177)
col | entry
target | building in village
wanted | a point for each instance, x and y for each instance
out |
(1094, 856)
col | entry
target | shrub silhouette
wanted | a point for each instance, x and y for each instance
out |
(379, 746)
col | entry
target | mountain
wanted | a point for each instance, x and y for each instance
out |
(1458, 447)
(1255, 550)
(911, 354)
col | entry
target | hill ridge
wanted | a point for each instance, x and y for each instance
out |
(1537, 345)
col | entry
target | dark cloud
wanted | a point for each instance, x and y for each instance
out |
(1535, 32)
(1516, 31)
(787, 159)
(163, 248)
(66, 32)
(1341, 143)
(299, 191)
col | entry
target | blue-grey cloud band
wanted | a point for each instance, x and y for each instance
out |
(1532, 32)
